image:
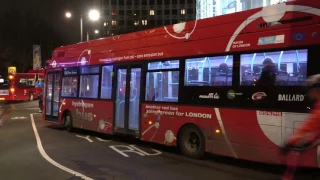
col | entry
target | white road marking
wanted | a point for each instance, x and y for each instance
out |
(148, 154)
(103, 140)
(19, 118)
(85, 137)
(30, 108)
(123, 149)
(128, 149)
(45, 156)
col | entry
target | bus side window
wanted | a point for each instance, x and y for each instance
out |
(89, 82)
(22, 82)
(209, 71)
(30, 82)
(162, 83)
(289, 67)
(106, 82)
(69, 86)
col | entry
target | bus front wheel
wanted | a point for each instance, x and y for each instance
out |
(191, 141)
(68, 122)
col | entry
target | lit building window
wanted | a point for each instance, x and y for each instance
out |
(136, 23)
(106, 23)
(210, 8)
(114, 12)
(144, 22)
(114, 22)
(151, 12)
(183, 11)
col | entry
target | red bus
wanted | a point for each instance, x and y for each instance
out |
(192, 85)
(21, 86)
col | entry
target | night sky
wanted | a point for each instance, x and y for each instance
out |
(53, 12)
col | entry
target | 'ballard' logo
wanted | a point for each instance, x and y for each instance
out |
(290, 97)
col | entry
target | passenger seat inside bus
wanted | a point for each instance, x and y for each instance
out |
(282, 78)
(248, 78)
(223, 77)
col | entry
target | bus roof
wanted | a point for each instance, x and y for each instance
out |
(37, 71)
(275, 26)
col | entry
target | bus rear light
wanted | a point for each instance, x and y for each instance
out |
(218, 131)
(150, 122)
(12, 90)
(11, 77)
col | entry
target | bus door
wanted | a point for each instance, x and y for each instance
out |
(127, 102)
(52, 96)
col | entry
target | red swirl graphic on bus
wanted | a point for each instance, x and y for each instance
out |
(259, 96)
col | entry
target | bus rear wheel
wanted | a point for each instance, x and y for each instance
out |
(68, 122)
(191, 141)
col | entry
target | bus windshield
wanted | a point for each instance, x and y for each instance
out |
(4, 84)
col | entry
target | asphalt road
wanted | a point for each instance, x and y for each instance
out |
(102, 157)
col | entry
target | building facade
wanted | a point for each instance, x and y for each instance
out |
(125, 16)
(211, 8)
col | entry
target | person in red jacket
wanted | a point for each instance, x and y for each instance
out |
(309, 133)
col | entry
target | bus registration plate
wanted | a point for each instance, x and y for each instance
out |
(4, 92)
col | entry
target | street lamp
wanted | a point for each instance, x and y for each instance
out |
(95, 31)
(94, 15)
(68, 15)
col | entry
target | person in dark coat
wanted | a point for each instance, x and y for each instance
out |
(40, 102)
(269, 73)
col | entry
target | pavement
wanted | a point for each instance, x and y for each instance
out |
(33, 149)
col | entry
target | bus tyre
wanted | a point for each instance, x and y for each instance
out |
(68, 122)
(191, 141)
(31, 97)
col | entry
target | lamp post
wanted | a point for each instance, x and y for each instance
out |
(94, 15)
(95, 31)
(81, 28)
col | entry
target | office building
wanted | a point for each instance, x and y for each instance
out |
(211, 8)
(124, 16)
